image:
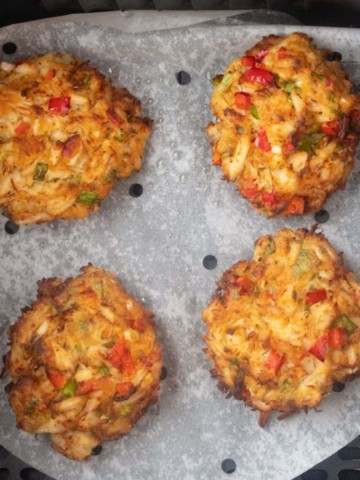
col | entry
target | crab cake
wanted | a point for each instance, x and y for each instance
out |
(66, 135)
(287, 121)
(283, 327)
(85, 362)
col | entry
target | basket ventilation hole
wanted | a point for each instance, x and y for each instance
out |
(322, 216)
(4, 473)
(228, 466)
(338, 387)
(163, 373)
(136, 190)
(9, 48)
(11, 227)
(349, 453)
(333, 56)
(210, 262)
(96, 450)
(183, 77)
(314, 475)
(32, 474)
(349, 475)
(3, 452)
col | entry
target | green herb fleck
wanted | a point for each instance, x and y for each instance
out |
(307, 143)
(336, 112)
(70, 388)
(303, 263)
(234, 361)
(226, 81)
(345, 322)
(331, 97)
(78, 348)
(87, 198)
(254, 112)
(75, 179)
(314, 128)
(40, 171)
(30, 409)
(110, 177)
(103, 370)
(121, 136)
(124, 410)
(286, 385)
(318, 75)
(288, 86)
(240, 130)
(270, 248)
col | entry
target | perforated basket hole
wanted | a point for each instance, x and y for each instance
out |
(184, 78)
(32, 474)
(338, 387)
(333, 56)
(322, 216)
(4, 474)
(314, 474)
(9, 48)
(349, 453)
(11, 227)
(228, 466)
(96, 450)
(349, 475)
(136, 190)
(163, 374)
(210, 262)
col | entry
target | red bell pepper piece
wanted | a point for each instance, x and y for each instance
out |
(270, 199)
(21, 128)
(125, 389)
(120, 357)
(262, 142)
(315, 296)
(243, 100)
(244, 283)
(336, 337)
(331, 128)
(296, 205)
(275, 361)
(319, 348)
(258, 75)
(282, 53)
(248, 61)
(59, 105)
(50, 74)
(70, 146)
(91, 385)
(262, 54)
(288, 147)
(57, 379)
(114, 118)
(250, 191)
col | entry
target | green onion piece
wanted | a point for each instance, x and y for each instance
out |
(303, 263)
(331, 97)
(270, 248)
(234, 361)
(307, 143)
(314, 128)
(40, 171)
(87, 198)
(288, 86)
(336, 112)
(254, 112)
(124, 410)
(78, 348)
(103, 370)
(226, 81)
(110, 177)
(30, 409)
(345, 322)
(240, 130)
(217, 80)
(70, 388)
(75, 179)
(318, 75)
(122, 135)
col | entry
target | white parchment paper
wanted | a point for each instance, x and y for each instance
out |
(156, 244)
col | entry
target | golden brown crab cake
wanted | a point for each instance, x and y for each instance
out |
(287, 126)
(85, 362)
(283, 327)
(66, 135)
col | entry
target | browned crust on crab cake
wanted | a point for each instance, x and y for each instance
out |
(66, 135)
(283, 327)
(287, 125)
(85, 362)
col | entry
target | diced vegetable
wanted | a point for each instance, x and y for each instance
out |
(307, 143)
(288, 147)
(296, 205)
(217, 80)
(248, 61)
(258, 75)
(40, 171)
(303, 263)
(121, 136)
(114, 119)
(87, 198)
(336, 337)
(275, 361)
(282, 53)
(21, 128)
(50, 74)
(124, 390)
(234, 361)
(226, 81)
(345, 322)
(254, 112)
(288, 86)
(120, 357)
(315, 296)
(69, 388)
(331, 128)
(262, 142)
(249, 190)
(243, 100)
(318, 75)
(70, 146)
(244, 283)
(57, 379)
(59, 105)
(320, 347)
(270, 248)
(103, 370)
(270, 199)
(262, 54)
